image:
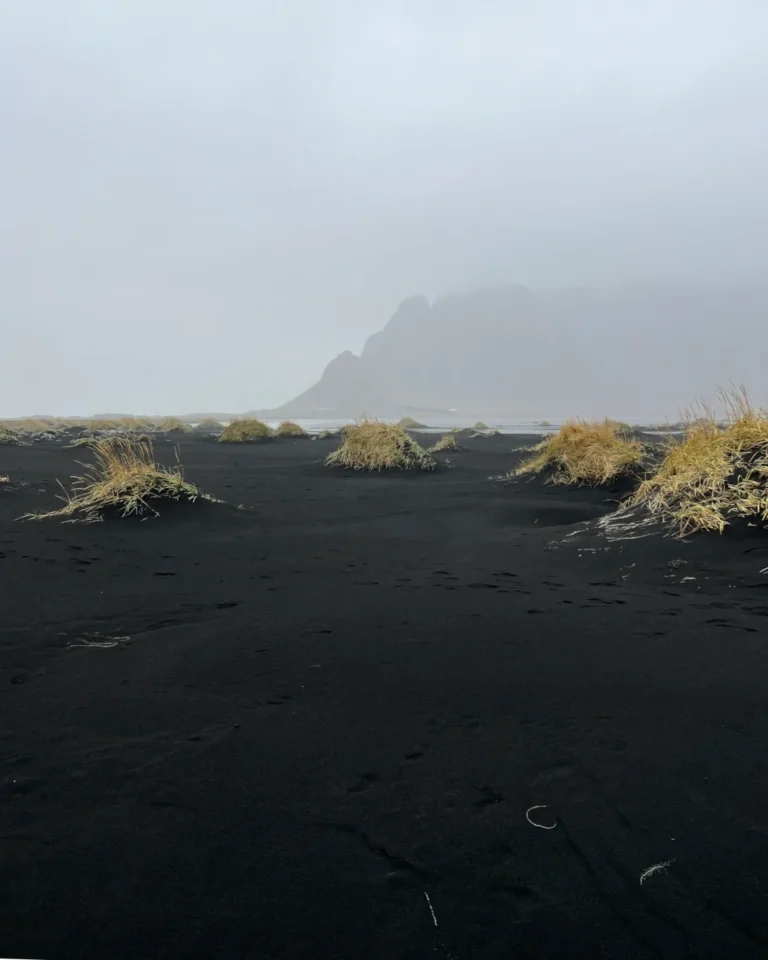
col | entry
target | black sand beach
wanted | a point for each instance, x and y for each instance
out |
(325, 717)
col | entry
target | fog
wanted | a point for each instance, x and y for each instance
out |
(203, 203)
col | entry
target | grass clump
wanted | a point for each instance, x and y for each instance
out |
(124, 478)
(210, 425)
(243, 431)
(134, 424)
(716, 473)
(448, 442)
(373, 445)
(98, 423)
(84, 442)
(8, 436)
(585, 453)
(290, 429)
(27, 425)
(174, 425)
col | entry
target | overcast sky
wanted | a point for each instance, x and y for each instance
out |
(203, 201)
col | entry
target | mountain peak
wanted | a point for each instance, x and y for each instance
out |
(512, 351)
(412, 310)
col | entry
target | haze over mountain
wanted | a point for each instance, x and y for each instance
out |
(201, 202)
(510, 351)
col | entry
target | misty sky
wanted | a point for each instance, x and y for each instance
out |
(203, 201)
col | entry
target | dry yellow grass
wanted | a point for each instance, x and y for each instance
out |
(100, 424)
(125, 424)
(448, 442)
(84, 442)
(242, 431)
(716, 473)
(208, 423)
(8, 436)
(124, 478)
(373, 445)
(174, 425)
(133, 424)
(290, 429)
(29, 425)
(585, 453)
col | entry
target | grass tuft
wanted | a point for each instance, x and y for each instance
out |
(717, 472)
(209, 424)
(8, 436)
(448, 442)
(29, 425)
(174, 425)
(84, 442)
(124, 478)
(243, 431)
(100, 424)
(585, 453)
(290, 429)
(373, 445)
(134, 424)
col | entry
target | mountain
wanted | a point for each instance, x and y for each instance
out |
(511, 351)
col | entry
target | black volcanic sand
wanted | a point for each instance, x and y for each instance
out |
(334, 708)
